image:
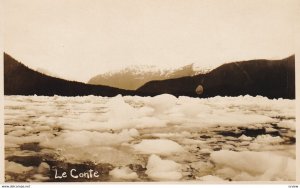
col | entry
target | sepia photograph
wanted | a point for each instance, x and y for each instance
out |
(190, 91)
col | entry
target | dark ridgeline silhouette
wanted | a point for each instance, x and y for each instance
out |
(20, 80)
(269, 78)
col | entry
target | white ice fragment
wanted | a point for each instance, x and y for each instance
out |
(210, 178)
(270, 130)
(224, 118)
(17, 168)
(163, 170)
(16, 140)
(183, 134)
(133, 133)
(254, 146)
(90, 138)
(158, 146)
(161, 103)
(116, 156)
(43, 168)
(289, 124)
(257, 164)
(148, 122)
(18, 132)
(268, 139)
(245, 138)
(201, 166)
(39, 178)
(226, 172)
(123, 173)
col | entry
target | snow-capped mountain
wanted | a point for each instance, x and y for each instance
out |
(133, 77)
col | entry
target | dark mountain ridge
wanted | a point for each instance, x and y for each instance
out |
(269, 78)
(21, 80)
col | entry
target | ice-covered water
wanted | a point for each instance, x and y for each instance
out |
(160, 138)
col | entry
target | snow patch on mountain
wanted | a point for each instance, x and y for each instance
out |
(135, 76)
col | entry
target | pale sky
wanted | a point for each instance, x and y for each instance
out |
(78, 39)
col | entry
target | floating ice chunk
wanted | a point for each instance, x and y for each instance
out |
(190, 108)
(13, 167)
(18, 132)
(289, 124)
(202, 166)
(226, 172)
(245, 138)
(148, 122)
(172, 134)
(123, 173)
(244, 143)
(38, 178)
(210, 178)
(43, 168)
(224, 118)
(28, 139)
(164, 135)
(161, 103)
(133, 133)
(255, 146)
(98, 154)
(158, 146)
(270, 130)
(118, 109)
(256, 164)
(244, 176)
(90, 138)
(228, 147)
(145, 111)
(11, 145)
(163, 170)
(268, 139)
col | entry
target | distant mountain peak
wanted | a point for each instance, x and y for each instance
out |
(134, 76)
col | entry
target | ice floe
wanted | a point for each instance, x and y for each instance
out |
(158, 146)
(250, 165)
(123, 173)
(163, 170)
